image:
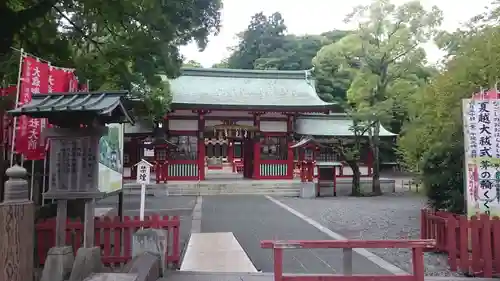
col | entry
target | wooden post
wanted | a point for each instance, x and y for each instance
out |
(17, 228)
(62, 213)
(347, 261)
(88, 225)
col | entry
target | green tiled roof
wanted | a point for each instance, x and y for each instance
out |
(246, 89)
(329, 125)
(108, 106)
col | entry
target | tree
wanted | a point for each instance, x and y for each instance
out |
(332, 79)
(350, 148)
(385, 46)
(117, 45)
(262, 36)
(264, 45)
(432, 142)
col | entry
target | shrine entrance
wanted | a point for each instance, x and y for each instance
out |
(223, 143)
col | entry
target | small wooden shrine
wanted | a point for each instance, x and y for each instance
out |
(78, 122)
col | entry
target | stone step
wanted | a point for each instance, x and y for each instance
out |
(284, 192)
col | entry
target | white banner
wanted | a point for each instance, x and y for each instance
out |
(481, 119)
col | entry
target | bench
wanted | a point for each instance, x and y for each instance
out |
(417, 247)
(216, 252)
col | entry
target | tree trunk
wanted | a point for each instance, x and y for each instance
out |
(375, 145)
(356, 178)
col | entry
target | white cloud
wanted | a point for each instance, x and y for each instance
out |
(313, 17)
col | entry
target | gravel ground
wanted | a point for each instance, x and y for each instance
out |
(394, 216)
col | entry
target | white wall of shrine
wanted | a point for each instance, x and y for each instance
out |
(183, 125)
(273, 126)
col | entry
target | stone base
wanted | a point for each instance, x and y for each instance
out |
(58, 264)
(87, 262)
(146, 266)
(307, 190)
(153, 241)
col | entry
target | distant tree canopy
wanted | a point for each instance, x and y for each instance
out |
(265, 44)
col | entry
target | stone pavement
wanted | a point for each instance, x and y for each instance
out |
(254, 218)
(198, 276)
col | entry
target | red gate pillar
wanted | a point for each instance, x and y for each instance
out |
(289, 129)
(201, 145)
(256, 147)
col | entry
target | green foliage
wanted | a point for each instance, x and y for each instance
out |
(379, 55)
(265, 45)
(115, 45)
(432, 143)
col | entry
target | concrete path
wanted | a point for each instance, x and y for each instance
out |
(191, 276)
(215, 252)
(255, 218)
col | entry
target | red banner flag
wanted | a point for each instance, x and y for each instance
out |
(73, 82)
(58, 80)
(35, 77)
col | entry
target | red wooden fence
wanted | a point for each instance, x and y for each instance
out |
(112, 235)
(417, 247)
(472, 245)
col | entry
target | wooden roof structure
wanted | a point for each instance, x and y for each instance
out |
(68, 109)
(243, 89)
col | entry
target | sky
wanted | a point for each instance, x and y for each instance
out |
(314, 17)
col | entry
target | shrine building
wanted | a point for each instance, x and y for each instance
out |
(249, 121)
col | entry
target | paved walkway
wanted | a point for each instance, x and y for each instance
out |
(192, 276)
(254, 218)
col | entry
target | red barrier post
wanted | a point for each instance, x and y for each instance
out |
(464, 244)
(423, 224)
(105, 229)
(417, 247)
(486, 250)
(451, 239)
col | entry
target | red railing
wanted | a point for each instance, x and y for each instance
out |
(472, 244)
(112, 235)
(417, 247)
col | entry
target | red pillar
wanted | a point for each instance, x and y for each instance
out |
(289, 129)
(256, 148)
(302, 165)
(134, 155)
(201, 146)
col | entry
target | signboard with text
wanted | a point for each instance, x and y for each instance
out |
(110, 159)
(481, 119)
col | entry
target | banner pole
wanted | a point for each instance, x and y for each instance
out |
(18, 90)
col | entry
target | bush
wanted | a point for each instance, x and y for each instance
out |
(443, 177)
